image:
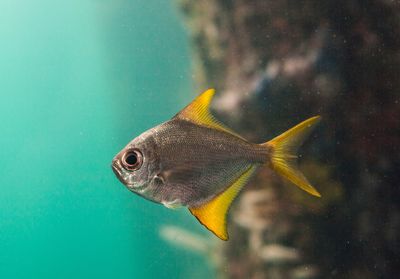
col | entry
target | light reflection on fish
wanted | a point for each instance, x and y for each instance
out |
(195, 161)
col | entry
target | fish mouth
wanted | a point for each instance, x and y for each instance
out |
(116, 169)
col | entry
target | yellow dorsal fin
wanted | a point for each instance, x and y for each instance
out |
(198, 111)
(213, 213)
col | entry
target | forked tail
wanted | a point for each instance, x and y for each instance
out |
(284, 150)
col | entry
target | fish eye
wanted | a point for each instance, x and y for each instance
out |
(132, 160)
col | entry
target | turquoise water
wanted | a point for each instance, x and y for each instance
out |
(78, 80)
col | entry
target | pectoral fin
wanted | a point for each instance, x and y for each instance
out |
(198, 111)
(213, 213)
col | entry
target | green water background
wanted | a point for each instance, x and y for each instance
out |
(78, 80)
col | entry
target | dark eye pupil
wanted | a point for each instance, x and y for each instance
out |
(131, 159)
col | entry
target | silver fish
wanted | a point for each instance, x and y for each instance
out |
(195, 161)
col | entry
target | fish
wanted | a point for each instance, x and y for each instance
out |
(195, 161)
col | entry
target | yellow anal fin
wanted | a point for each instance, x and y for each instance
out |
(198, 111)
(284, 149)
(213, 213)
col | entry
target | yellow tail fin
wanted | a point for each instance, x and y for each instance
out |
(283, 158)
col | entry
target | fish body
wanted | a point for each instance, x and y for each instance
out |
(195, 161)
(191, 164)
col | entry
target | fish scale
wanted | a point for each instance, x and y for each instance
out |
(207, 164)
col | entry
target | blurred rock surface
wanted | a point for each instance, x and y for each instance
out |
(276, 63)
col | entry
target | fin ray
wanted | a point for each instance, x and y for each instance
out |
(198, 111)
(284, 148)
(213, 213)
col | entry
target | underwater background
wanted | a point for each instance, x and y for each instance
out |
(80, 79)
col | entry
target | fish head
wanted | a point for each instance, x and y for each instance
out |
(137, 164)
